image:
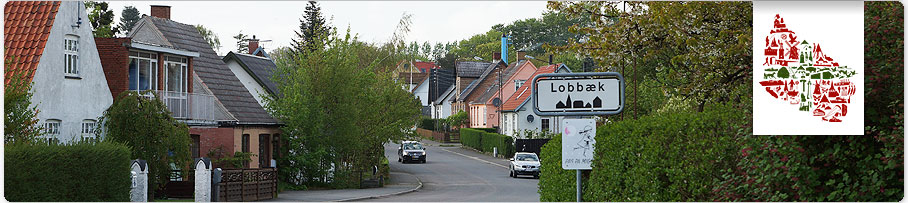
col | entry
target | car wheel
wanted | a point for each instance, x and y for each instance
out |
(536, 176)
(510, 173)
(423, 161)
(399, 160)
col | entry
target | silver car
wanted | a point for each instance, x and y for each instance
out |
(411, 151)
(524, 163)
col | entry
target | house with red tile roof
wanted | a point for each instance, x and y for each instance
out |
(518, 116)
(497, 85)
(50, 44)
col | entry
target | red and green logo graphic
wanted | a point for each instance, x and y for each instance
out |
(799, 73)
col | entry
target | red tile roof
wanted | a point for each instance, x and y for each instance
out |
(26, 28)
(524, 91)
(425, 66)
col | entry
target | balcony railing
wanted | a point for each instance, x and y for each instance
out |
(190, 106)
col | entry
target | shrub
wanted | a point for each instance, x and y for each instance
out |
(504, 143)
(663, 156)
(555, 183)
(471, 137)
(488, 130)
(81, 172)
(429, 123)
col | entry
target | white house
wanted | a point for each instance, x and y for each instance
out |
(51, 44)
(518, 116)
(254, 72)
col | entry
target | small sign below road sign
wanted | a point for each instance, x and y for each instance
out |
(577, 143)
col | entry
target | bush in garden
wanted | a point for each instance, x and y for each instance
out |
(81, 172)
(471, 138)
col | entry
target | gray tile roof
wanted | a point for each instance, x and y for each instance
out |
(214, 72)
(259, 67)
(473, 86)
(472, 69)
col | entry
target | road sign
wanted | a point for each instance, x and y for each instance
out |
(578, 94)
(577, 143)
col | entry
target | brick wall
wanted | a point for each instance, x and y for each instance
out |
(212, 138)
(115, 62)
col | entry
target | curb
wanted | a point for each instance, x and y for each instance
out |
(386, 195)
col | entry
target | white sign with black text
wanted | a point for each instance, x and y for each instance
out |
(577, 143)
(557, 95)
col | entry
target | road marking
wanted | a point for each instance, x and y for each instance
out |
(478, 159)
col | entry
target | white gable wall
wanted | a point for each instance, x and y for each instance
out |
(70, 100)
(422, 92)
(248, 81)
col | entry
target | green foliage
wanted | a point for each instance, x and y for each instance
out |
(242, 42)
(313, 27)
(430, 123)
(339, 106)
(471, 137)
(220, 159)
(210, 37)
(128, 18)
(665, 156)
(533, 35)
(101, 19)
(555, 183)
(483, 140)
(81, 172)
(482, 46)
(20, 123)
(667, 42)
(146, 126)
(458, 119)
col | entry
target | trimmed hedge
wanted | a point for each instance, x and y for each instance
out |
(556, 184)
(429, 123)
(471, 137)
(485, 139)
(81, 172)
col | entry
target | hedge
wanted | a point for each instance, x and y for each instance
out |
(81, 172)
(556, 184)
(429, 123)
(483, 140)
(471, 138)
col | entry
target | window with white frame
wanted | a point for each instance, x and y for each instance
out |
(52, 130)
(518, 83)
(71, 55)
(175, 72)
(545, 125)
(143, 71)
(88, 128)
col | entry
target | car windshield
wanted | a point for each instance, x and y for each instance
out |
(412, 146)
(527, 157)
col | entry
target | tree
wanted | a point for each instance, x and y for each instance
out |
(698, 51)
(128, 18)
(242, 42)
(101, 19)
(312, 26)
(340, 125)
(20, 124)
(210, 37)
(146, 126)
(534, 34)
(482, 46)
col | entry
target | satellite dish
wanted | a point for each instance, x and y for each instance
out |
(496, 102)
(530, 118)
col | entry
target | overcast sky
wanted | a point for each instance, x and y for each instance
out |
(434, 21)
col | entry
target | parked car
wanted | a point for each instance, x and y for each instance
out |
(524, 163)
(411, 151)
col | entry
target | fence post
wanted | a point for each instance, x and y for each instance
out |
(202, 179)
(138, 192)
(215, 184)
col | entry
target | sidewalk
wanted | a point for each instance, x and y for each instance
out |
(400, 183)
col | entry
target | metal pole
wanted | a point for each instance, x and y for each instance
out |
(578, 185)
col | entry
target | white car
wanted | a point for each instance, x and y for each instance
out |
(411, 151)
(524, 163)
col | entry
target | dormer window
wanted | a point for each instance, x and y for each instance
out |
(518, 83)
(71, 56)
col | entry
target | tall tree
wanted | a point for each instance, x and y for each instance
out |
(210, 37)
(128, 18)
(101, 19)
(313, 30)
(242, 42)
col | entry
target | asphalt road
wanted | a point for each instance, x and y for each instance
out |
(453, 174)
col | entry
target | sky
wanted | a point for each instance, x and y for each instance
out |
(373, 21)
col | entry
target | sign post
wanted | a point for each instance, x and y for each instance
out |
(578, 94)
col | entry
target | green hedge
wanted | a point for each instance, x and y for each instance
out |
(82, 172)
(429, 123)
(556, 184)
(485, 139)
(471, 138)
(504, 143)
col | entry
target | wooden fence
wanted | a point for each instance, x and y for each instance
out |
(241, 185)
(439, 136)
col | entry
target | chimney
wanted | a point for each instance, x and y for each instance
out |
(253, 44)
(160, 11)
(521, 55)
(496, 56)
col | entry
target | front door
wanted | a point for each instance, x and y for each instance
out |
(264, 151)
